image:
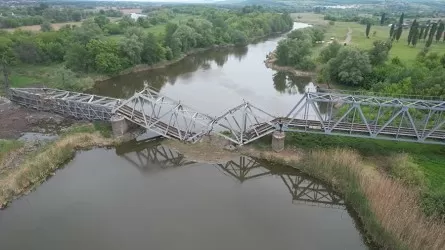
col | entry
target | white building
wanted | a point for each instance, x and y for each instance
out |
(135, 16)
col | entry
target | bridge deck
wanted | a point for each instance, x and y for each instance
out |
(344, 127)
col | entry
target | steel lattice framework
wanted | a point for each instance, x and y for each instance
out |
(172, 119)
(244, 123)
(72, 104)
(303, 189)
(357, 115)
(165, 116)
(369, 116)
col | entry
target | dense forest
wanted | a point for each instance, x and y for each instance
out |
(102, 46)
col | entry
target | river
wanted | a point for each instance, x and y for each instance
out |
(145, 196)
(214, 81)
(142, 195)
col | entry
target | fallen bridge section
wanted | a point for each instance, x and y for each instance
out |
(165, 116)
(66, 103)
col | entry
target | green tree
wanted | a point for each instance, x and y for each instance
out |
(415, 36)
(382, 19)
(391, 30)
(368, 28)
(379, 52)
(427, 30)
(349, 67)
(170, 29)
(87, 31)
(296, 53)
(399, 32)
(101, 21)
(440, 29)
(329, 52)
(422, 30)
(410, 33)
(77, 58)
(401, 19)
(108, 63)
(7, 58)
(153, 51)
(77, 16)
(46, 27)
(187, 36)
(131, 48)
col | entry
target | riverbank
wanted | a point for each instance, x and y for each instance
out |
(57, 76)
(24, 166)
(388, 208)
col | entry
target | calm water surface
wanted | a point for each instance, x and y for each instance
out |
(149, 197)
(144, 196)
(215, 81)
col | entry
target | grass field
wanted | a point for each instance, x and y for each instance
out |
(339, 30)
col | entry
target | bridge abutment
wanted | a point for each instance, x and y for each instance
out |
(278, 141)
(119, 125)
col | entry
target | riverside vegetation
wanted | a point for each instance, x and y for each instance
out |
(72, 56)
(383, 184)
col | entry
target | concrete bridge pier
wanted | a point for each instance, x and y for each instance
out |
(119, 125)
(278, 141)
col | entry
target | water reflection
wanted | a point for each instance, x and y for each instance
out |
(149, 155)
(124, 86)
(289, 83)
(302, 188)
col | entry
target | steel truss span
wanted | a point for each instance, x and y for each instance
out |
(172, 119)
(66, 103)
(369, 117)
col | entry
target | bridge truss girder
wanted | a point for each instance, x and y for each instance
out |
(66, 103)
(165, 116)
(244, 123)
(369, 117)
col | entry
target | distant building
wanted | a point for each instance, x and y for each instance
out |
(135, 16)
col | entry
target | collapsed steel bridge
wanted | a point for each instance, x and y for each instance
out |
(345, 114)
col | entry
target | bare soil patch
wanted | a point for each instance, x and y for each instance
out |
(16, 120)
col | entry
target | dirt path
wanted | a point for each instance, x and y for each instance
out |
(348, 36)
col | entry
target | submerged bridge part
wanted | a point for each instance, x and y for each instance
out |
(322, 112)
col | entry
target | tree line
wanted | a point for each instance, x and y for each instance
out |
(36, 15)
(90, 48)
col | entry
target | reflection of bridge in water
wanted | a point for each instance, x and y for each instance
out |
(303, 188)
(149, 155)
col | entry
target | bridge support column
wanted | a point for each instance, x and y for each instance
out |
(278, 141)
(119, 125)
